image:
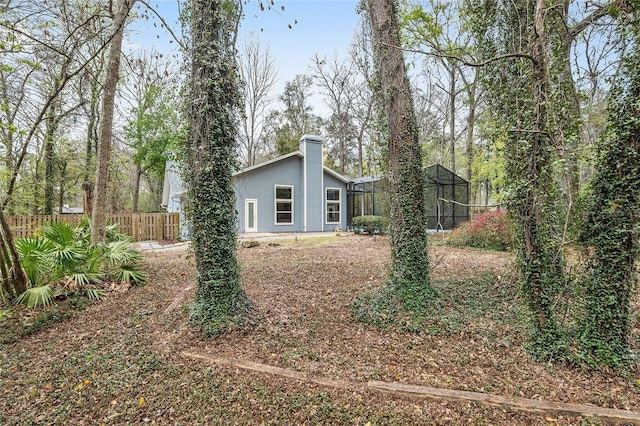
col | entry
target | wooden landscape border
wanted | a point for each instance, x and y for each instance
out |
(424, 392)
(510, 403)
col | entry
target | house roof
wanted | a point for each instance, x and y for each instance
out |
(266, 163)
(297, 153)
(336, 174)
(70, 210)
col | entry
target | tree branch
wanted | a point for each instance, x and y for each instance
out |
(440, 54)
(168, 28)
(597, 14)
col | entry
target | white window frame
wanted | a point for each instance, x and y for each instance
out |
(337, 202)
(283, 200)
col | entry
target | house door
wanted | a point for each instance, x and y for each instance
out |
(251, 215)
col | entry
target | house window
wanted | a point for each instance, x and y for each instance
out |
(284, 205)
(333, 205)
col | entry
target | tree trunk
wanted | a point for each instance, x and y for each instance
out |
(611, 233)
(452, 116)
(220, 300)
(155, 191)
(8, 142)
(566, 119)
(98, 215)
(92, 137)
(51, 124)
(36, 200)
(542, 262)
(87, 187)
(136, 188)
(471, 121)
(17, 278)
(63, 176)
(409, 274)
(361, 138)
(4, 271)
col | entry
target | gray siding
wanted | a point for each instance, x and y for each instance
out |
(260, 183)
(332, 182)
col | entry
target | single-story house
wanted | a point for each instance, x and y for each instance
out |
(291, 193)
(297, 193)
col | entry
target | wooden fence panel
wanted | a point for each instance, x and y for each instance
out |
(26, 226)
(147, 227)
(141, 226)
(124, 222)
(171, 226)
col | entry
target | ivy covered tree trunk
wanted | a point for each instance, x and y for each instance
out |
(611, 233)
(409, 276)
(541, 255)
(518, 91)
(567, 126)
(50, 158)
(220, 300)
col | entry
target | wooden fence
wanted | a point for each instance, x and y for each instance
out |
(141, 226)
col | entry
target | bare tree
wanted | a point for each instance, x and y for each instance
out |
(361, 55)
(336, 81)
(154, 126)
(439, 28)
(296, 118)
(24, 105)
(259, 76)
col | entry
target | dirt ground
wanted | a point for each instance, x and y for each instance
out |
(121, 360)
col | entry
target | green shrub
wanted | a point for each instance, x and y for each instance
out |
(370, 224)
(35, 297)
(61, 262)
(491, 231)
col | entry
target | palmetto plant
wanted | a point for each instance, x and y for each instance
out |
(83, 232)
(34, 259)
(66, 255)
(120, 260)
(61, 261)
(36, 296)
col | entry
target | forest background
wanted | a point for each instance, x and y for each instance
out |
(53, 64)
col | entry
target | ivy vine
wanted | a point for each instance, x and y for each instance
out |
(611, 232)
(220, 301)
(408, 289)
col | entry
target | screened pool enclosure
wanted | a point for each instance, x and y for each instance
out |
(446, 198)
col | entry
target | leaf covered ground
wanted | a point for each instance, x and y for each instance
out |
(121, 360)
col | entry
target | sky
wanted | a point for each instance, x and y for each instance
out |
(317, 26)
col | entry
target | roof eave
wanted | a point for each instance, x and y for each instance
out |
(268, 162)
(336, 175)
